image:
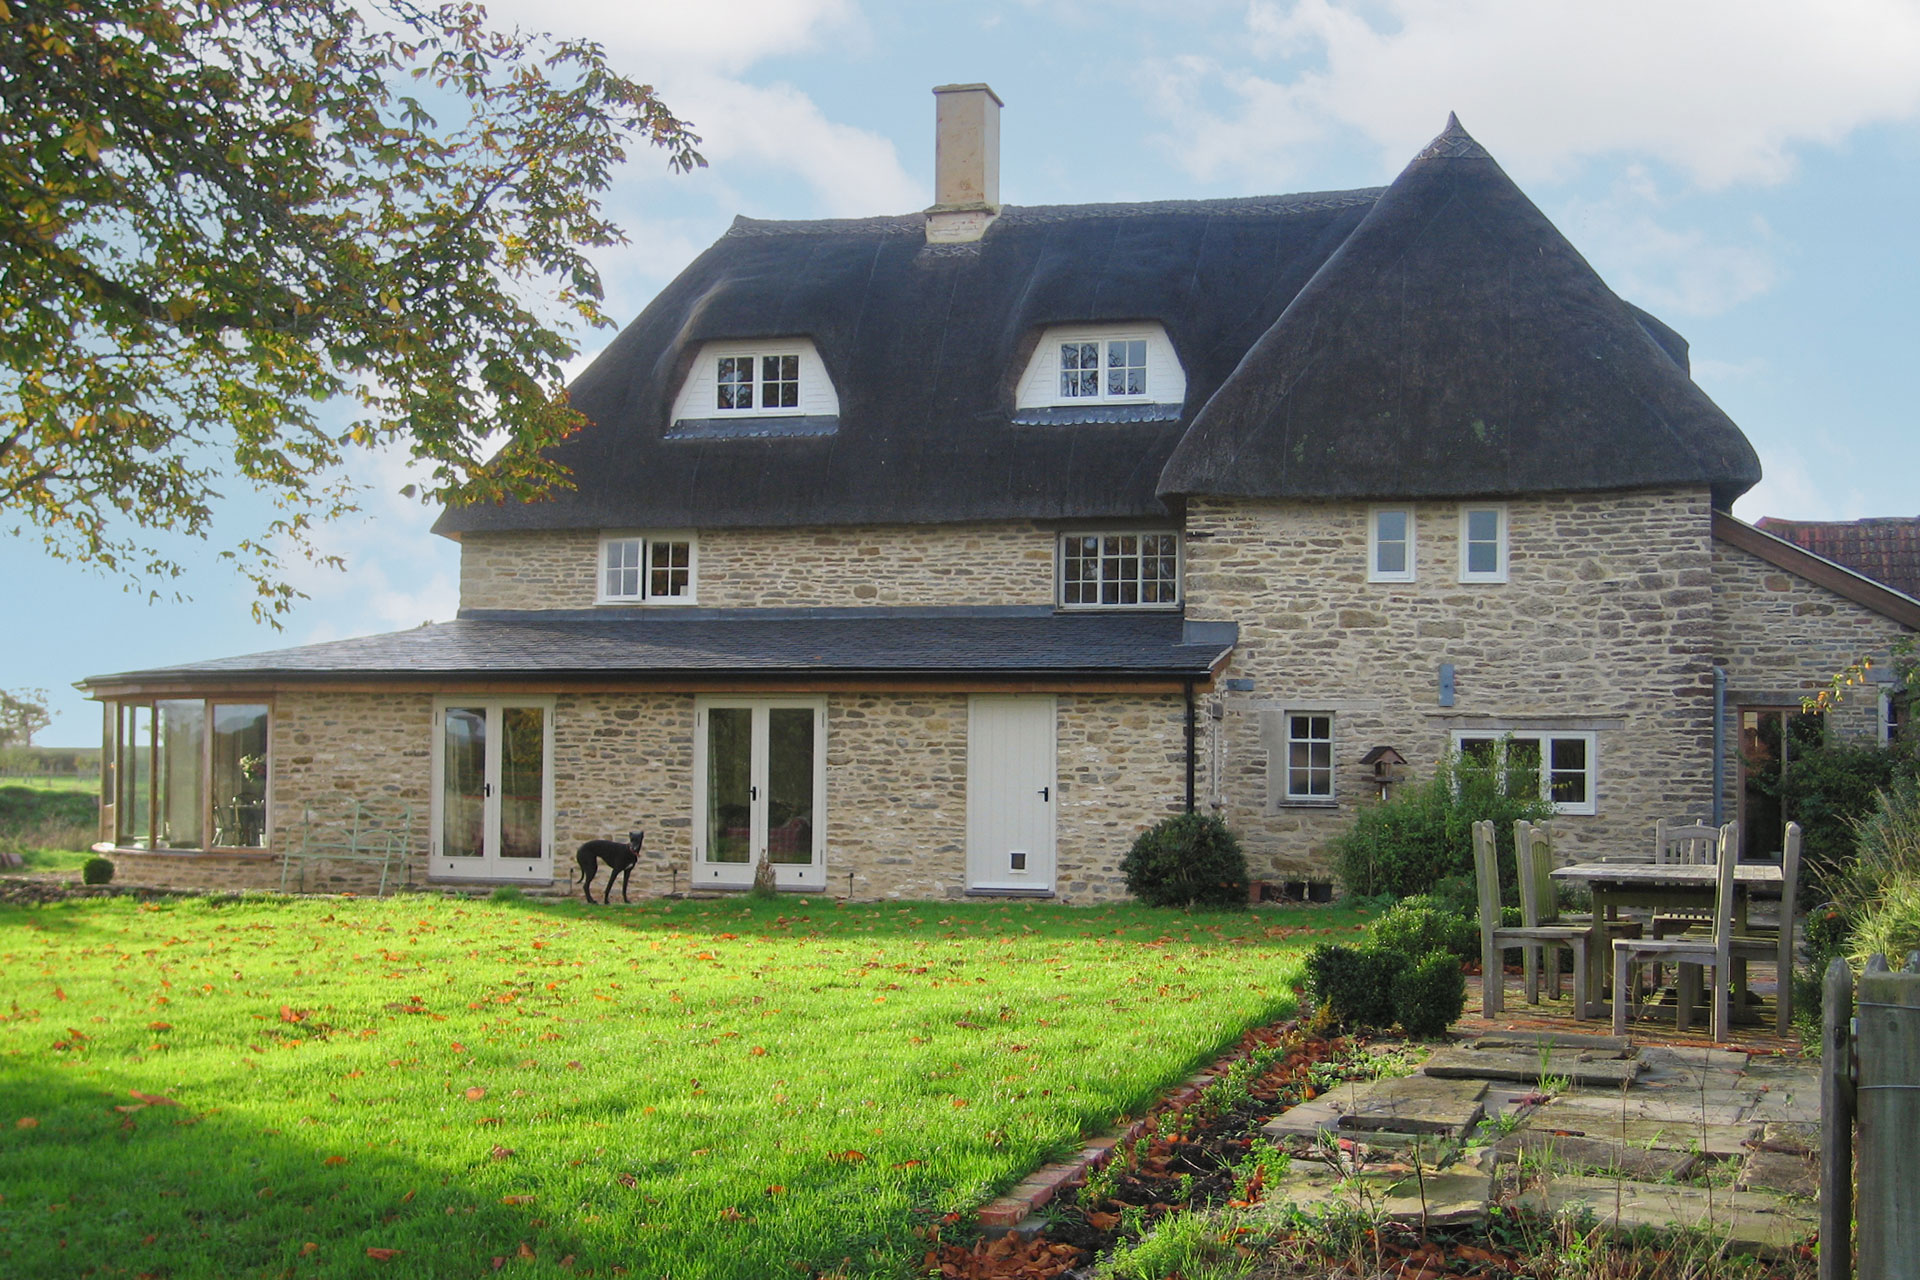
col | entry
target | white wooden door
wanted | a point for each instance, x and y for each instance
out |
(1010, 793)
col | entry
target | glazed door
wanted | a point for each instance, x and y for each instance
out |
(1010, 793)
(760, 791)
(493, 790)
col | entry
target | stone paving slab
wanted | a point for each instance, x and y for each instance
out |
(1583, 1067)
(1647, 1133)
(1559, 1154)
(1746, 1220)
(1785, 1158)
(1789, 1105)
(1453, 1197)
(1534, 1041)
(1417, 1104)
(1675, 1106)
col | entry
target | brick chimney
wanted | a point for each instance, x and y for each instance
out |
(966, 163)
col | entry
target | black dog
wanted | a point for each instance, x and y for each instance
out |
(619, 859)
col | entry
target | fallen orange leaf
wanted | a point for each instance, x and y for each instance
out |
(476, 1093)
(516, 1199)
(309, 1247)
(526, 1250)
(26, 1122)
(383, 1255)
(334, 1160)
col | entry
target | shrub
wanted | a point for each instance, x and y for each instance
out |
(1424, 834)
(97, 871)
(1355, 984)
(1189, 860)
(1421, 924)
(1430, 994)
(1831, 788)
(508, 893)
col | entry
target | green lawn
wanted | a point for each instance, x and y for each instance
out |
(689, 1089)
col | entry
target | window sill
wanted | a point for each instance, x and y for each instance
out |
(1175, 607)
(1305, 804)
(124, 850)
(747, 426)
(677, 602)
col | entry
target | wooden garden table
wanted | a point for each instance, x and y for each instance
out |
(1658, 887)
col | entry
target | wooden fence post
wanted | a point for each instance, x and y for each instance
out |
(1887, 1103)
(1836, 1123)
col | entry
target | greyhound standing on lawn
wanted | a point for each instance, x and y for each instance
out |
(619, 859)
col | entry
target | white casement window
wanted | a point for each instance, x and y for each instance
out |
(1119, 570)
(1309, 757)
(757, 383)
(654, 568)
(1103, 369)
(1564, 767)
(1390, 546)
(1483, 544)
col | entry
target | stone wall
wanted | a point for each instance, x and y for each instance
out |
(1605, 625)
(896, 788)
(967, 564)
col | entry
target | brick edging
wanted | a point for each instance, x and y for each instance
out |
(1040, 1186)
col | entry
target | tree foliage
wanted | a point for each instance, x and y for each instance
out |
(23, 713)
(218, 216)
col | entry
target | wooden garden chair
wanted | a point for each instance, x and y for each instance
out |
(1495, 939)
(1692, 952)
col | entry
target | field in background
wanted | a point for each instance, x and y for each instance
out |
(48, 823)
(269, 1086)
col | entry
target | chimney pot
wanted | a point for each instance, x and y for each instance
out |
(966, 162)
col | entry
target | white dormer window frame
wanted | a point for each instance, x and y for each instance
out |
(1087, 366)
(658, 568)
(1483, 542)
(757, 382)
(1390, 558)
(737, 381)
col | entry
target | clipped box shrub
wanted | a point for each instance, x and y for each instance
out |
(1354, 984)
(97, 871)
(1421, 924)
(1430, 994)
(1189, 860)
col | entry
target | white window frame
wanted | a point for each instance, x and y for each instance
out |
(1101, 394)
(760, 354)
(1499, 511)
(1896, 711)
(1287, 793)
(1060, 568)
(1546, 738)
(1374, 572)
(646, 542)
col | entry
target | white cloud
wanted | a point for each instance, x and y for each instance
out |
(1723, 90)
(1666, 270)
(1795, 489)
(649, 41)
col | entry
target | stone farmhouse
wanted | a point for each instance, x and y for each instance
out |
(940, 554)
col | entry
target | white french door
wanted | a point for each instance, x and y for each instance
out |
(1010, 793)
(760, 790)
(492, 789)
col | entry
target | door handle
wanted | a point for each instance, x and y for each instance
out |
(753, 793)
(486, 789)
(1046, 793)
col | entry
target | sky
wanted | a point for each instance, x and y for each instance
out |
(1748, 170)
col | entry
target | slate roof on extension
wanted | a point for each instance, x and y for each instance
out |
(827, 643)
(1456, 345)
(1885, 548)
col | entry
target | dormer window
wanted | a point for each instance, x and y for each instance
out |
(764, 387)
(1114, 369)
(776, 379)
(1090, 373)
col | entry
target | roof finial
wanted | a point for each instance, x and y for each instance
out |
(1453, 143)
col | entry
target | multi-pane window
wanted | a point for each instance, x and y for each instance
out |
(1483, 544)
(647, 568)
(1559, 767)
(188, 773)
(1390, 545)
(1309, 755)
(1120, 570)
(763, 383)
(1108, 369)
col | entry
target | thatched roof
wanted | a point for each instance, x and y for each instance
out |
(1457, 345)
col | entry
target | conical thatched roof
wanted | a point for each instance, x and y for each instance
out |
(1457, 345)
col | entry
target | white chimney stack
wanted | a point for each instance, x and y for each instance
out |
(966, 163)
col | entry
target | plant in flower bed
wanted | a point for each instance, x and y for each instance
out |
(420, 1086)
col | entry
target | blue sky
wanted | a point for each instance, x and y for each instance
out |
(1748, 170)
